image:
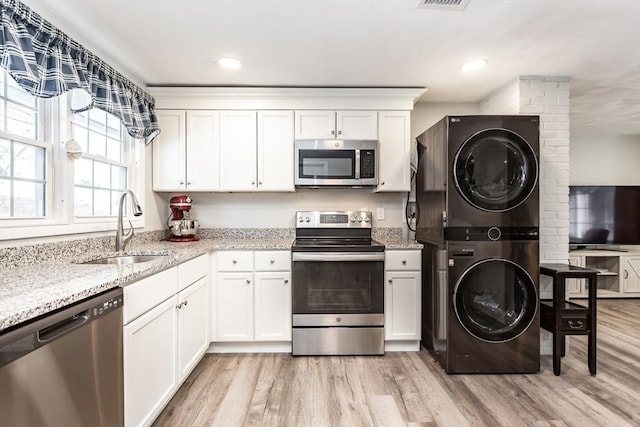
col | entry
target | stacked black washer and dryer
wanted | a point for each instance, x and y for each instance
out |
(478, 200)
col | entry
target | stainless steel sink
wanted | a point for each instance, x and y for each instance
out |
(125, 259)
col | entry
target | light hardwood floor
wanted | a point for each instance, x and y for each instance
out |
(411, 389)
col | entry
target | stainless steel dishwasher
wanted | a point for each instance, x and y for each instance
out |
(65, 369)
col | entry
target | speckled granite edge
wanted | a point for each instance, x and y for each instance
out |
(386, 233)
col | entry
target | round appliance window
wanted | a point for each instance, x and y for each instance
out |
(495, 170)
(495, 300)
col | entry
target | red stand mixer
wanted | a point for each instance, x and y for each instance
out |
(181, 226)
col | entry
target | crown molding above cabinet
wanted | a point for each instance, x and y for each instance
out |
(260, 98)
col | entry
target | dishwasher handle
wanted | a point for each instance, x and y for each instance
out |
(62, 327)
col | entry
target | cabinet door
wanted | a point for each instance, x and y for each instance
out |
(149, 349)
(393, 151)
(576, 287)
(273, 306)
(169, 152)
(315, 124)
(275, 151)
(238, 156)
(631, 274)
(203, 150)
(357, 125)
(402, 305)
(234, 307)
(193, 338)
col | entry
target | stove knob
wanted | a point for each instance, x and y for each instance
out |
(300, 219)
(366, 219)
(307, 219)
(353, 219)
(359, 219)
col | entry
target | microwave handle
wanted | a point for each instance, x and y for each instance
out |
(357, 174)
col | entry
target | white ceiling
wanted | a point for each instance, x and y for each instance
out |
(379, 43)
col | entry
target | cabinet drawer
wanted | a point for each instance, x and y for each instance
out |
(143, 295)
(402, 260)
(273, 261)
(235, 261)
(192, 270)
(574, 323)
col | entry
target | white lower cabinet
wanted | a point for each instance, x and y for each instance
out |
(234, 308)
(252, 305)
(402, 296)
(165, 336)
(150, 347)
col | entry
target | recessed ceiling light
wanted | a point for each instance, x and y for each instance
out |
(476, 64)
(229, 63)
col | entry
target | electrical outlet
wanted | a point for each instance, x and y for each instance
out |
(379, 213)
(412, 210)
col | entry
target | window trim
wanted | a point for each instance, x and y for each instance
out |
(54, 120)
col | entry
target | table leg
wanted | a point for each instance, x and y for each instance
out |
(557, 349)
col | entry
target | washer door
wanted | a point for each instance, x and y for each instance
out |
(495, 300)
(495, 170)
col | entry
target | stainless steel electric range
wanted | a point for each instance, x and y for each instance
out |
(338, 285)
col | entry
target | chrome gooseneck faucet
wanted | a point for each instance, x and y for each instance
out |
(121, 237)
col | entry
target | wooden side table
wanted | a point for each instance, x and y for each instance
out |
(562, 317)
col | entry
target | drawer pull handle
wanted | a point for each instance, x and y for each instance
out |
(626, 274)
(575, 324)
(272, 261)
(404, 262)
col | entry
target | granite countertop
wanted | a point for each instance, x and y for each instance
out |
(38, 288)
(29, 291)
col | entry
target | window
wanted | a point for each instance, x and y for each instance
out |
(101, 175)
(23, 159)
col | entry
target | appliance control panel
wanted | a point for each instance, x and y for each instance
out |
(333, 219)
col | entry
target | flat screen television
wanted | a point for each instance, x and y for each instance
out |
(604, 215)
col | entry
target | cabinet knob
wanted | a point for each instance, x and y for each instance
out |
(333, 132)
(286, 281)
(186, 302)
(382, 183)
(339, 132)
(181, 182)
(272, 261)
(253, 183)
(390, 281)
(234, 261)
(259, 182)
(404, 262)
(248, 281)
(188, 182)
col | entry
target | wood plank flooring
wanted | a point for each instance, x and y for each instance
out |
(410, 389)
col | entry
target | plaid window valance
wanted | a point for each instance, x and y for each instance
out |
(46, 63)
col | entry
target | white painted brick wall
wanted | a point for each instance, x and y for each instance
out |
(547, 97)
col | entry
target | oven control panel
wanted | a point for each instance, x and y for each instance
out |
(333, 219)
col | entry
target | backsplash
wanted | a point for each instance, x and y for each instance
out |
(52, 251)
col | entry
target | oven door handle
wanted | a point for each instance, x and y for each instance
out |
(337, 256)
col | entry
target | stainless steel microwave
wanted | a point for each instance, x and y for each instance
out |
(336, 163)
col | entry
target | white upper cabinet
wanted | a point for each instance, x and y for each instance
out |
(169, 152)
(203, 150)
(394, 131)
(328, 124)
(238, 150)
(186, 153)
(275, 151)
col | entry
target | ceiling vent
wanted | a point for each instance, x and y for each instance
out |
(443, 4)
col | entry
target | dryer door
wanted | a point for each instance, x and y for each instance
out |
(495, 300)
(495, 170)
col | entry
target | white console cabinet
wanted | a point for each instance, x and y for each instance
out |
(618, 273)
(402, 295)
